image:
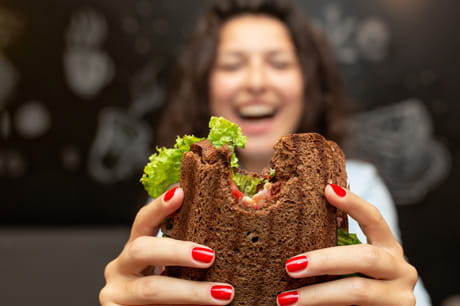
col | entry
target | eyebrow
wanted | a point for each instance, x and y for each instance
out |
(269, 52)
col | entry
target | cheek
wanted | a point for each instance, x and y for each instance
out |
(222, 87)
(292, 88)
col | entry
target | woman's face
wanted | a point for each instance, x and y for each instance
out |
(256, 81)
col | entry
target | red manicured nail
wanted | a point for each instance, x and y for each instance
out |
(296, 264)
(288, 298)
(203, 254)
(168, 195)
(222, 292)
(338, 190)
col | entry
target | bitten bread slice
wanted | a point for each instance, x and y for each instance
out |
(252, 245)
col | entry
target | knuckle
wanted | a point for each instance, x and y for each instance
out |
(375, 216)
(369, 255)
(137, 248)
(410, 299)
(411, 273)
(109, 270)
(360, 289)
(398, 249)
(149, 288)
(140, 214)
(104, 296)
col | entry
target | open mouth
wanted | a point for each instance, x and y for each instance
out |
(256, 111)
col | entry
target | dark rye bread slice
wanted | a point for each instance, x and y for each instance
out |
(252, 245)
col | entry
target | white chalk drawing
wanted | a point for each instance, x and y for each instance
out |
(147, 93)
(399, 140)
(120, 146)
(372, 39)
(88, 68)
(123, 140)
(142, 25)
(354, 39)
(32, 119)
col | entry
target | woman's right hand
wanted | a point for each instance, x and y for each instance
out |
(126, 280)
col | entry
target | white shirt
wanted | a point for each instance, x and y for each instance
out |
(365, 182)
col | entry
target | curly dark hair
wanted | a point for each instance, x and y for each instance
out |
(186, 109)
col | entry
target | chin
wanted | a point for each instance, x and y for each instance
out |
(259, 147)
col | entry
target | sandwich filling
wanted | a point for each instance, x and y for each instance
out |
(258, 200)
(252, 190)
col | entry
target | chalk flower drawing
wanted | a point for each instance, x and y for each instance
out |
(88, 68)
(120, 147)
(399, 140)
(354, 39)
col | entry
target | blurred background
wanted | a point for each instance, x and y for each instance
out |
(81, 83)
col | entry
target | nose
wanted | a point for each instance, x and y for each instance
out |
(256, 81)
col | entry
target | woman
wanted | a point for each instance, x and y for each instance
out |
(261, 65)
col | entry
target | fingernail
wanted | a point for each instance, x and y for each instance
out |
(203, 254)
(338, 190)
(288, 298)
(296, 264)
(222, 292)
(168, 195)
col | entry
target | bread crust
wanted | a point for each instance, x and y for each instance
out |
(251, 245)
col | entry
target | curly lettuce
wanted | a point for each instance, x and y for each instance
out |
(163, 168)
(223, 132)
(247, 183)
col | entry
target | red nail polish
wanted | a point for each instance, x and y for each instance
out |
(288, 298)
(222, 292)
(203, 254)
(338, 190)
(168, 195)
(296, 264)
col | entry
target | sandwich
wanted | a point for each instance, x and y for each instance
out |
(253, 221)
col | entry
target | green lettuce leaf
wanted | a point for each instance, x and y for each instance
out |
(163, 168)
(223, 132)
(247, 184)
(346, 238)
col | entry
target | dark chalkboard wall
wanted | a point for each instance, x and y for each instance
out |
(81, 83)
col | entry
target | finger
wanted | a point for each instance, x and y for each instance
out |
(146, 250)
(150, 217)
(368, 216)
(347, 291)
(363, 258)
(157, 289)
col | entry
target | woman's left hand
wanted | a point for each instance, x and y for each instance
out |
(391, 279)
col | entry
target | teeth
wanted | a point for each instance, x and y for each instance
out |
(256, 110)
